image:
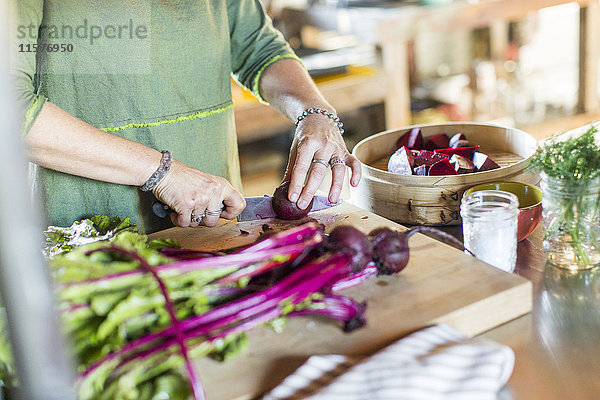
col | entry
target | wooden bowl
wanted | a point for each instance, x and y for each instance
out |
(530, 203)
(435, 200)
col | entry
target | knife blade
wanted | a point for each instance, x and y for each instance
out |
(256, 207)
(260, 207)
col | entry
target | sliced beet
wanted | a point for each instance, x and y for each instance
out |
(440, 141)
(428, 157)
(412, 139)
(421, 170)
(483, 162)
(466, 152)
(462, 165)
(456, 138)
(442, 167)
(402, 161)
(461, 143)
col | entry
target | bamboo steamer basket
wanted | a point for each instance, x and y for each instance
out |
(435, 200)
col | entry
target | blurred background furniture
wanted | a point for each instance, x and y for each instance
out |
(529, 64)
(393, 25)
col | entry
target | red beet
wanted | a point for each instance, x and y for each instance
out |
(483, 162)
(348, 238)
(437, 142)
(462, 165)
(390, 250)
(412, 139)
(284, 208)
(442, 167)
(428, 157)
(466, 152)
(456, 138)
(402, 161)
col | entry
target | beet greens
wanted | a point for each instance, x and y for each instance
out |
(138, 312)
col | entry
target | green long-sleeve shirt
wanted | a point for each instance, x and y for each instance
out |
(154, 71)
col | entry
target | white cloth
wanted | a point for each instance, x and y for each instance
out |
(437, 362)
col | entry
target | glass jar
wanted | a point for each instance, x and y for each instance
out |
(571, 222)
(489, 219)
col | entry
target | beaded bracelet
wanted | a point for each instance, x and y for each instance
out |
(326, 113)
(161, 171)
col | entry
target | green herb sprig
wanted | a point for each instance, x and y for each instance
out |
(576, 162)
(577, 158)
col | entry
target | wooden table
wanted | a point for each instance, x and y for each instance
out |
(394, 26)
(557, 345)
(440, 284)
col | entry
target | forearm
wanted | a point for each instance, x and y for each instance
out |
(59, 141)
(318, 139)
(289, 89)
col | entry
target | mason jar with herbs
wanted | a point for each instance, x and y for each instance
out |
(570, 172)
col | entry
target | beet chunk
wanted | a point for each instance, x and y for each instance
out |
(456, 138)
(402, 161)
(483, 162)
(428, 157)
(462, 165)
(442, 167)
(412, 139)
(466, 152)
(440, 141)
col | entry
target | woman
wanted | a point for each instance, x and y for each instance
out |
(141, 77)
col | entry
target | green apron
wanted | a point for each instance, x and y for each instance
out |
(156, 72)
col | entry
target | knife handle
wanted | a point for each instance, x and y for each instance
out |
(161, 210)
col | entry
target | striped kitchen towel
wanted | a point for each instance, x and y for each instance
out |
(437, 362)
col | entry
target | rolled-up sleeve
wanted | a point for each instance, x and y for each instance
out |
(26, 20)
(255, 43)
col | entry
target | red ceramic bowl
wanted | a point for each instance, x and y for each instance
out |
(530, 203)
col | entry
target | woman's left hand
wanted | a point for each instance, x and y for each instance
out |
(318, 145)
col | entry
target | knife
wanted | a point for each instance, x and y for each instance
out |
(256, 207)
(260, 207)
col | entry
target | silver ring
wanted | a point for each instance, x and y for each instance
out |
(336, 161)
(321, 161)
(216, 213)
(196, 219)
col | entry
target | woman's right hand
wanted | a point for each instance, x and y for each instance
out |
(189, 191)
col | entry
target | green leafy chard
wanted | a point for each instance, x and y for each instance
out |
(99, 227)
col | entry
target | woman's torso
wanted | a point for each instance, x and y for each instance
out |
(156, 72)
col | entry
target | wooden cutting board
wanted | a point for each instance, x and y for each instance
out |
(440, 285)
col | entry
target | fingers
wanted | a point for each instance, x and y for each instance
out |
(234, 203)
(320, 163)
(184, 209)
(212, 209)
(196, 214)
(197, 197)
(219, 194)
(338, 171)
(300, 171)
(356, 168)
